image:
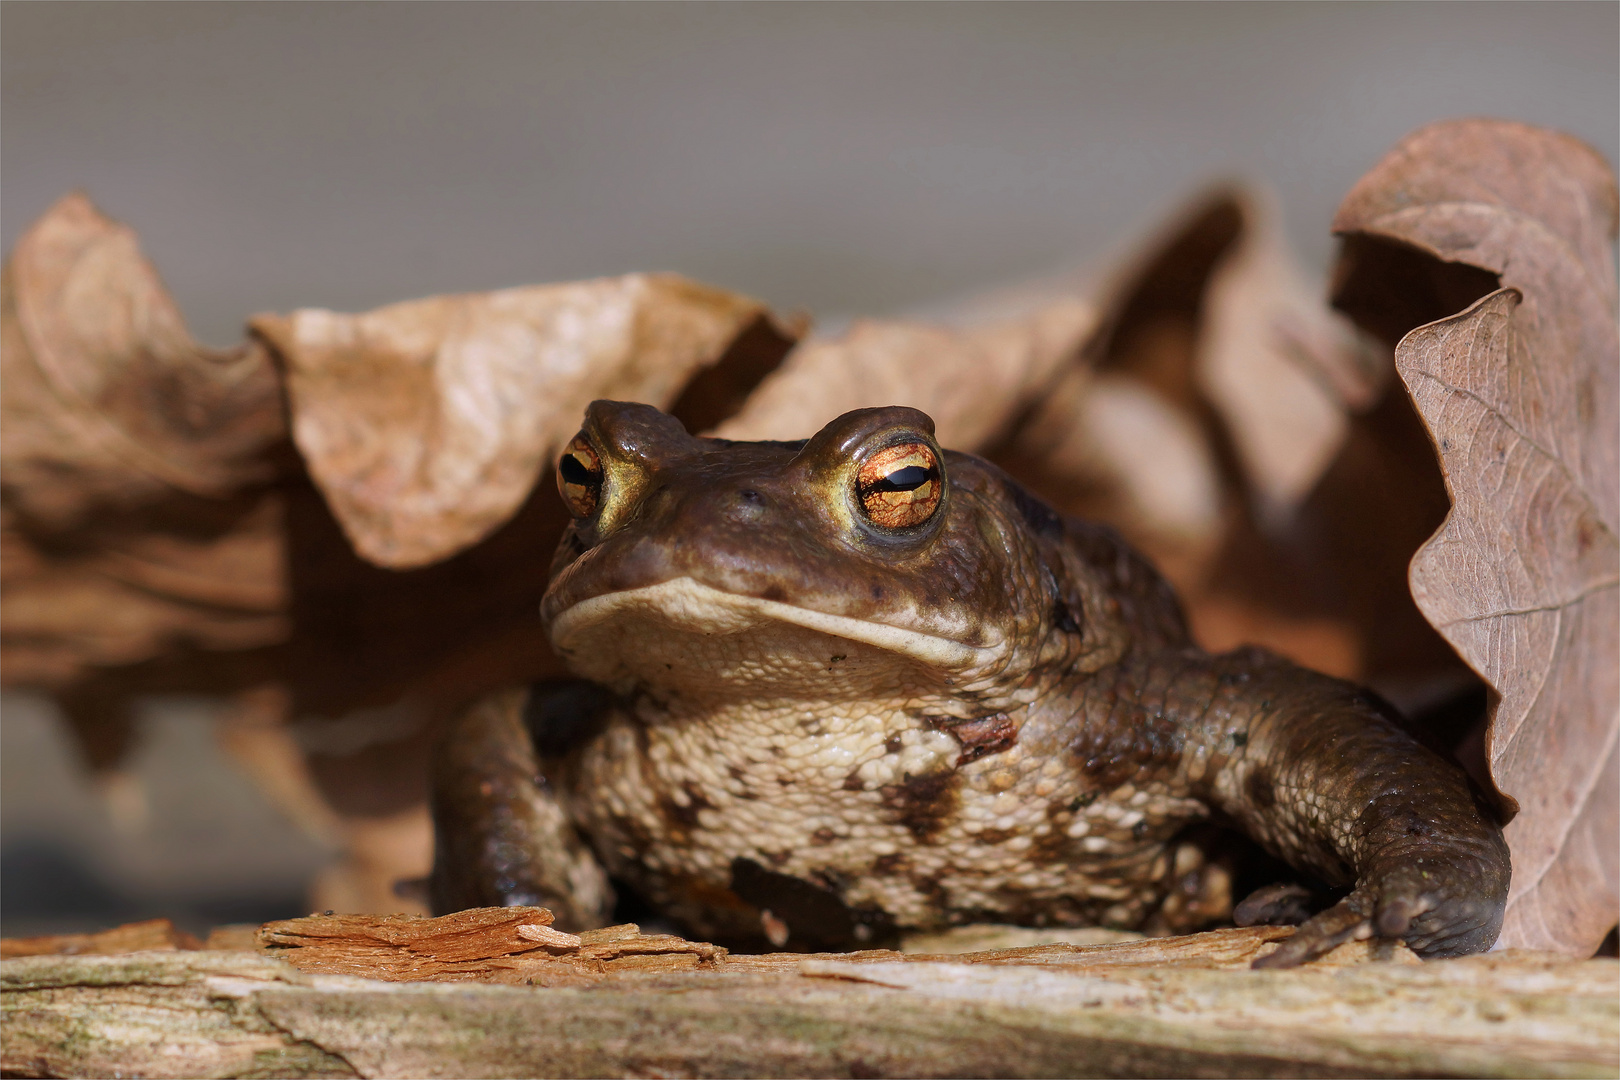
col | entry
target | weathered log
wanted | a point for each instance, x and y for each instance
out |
(626, 1004)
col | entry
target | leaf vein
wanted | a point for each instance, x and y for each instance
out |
(1557, 605)
(1558, 462)
(1568, 825)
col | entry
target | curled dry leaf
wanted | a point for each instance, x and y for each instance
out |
(1213, 394)
(973, 376)
(135, 465)
(1282, 369)
(1519, 393)
(427, 424)
(112, 403)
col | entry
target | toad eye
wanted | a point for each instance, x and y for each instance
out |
(900, 486)
(579, 477)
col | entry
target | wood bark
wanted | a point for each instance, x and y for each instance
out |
(501, 998)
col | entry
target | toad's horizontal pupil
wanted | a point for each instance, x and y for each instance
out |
(574, 471)
(909, 478)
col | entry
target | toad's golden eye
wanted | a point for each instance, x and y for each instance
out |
(899, 487)
(579, 477)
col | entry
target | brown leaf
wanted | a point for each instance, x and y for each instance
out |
(103, 598)
(1281, 368)
(1213, 395)
(973, 371)
(426, 424)
(134, 465)
(107, 400)
(1519, 393)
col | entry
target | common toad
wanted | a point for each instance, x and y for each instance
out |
(859, 683)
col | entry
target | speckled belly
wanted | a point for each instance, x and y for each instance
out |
(884, 809)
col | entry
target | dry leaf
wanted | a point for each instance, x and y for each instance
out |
(1519, 393)
(105, 597)
(1116, 434)
(140, 532)
(428, 423)
(1205, 408)
(108, 401)
(972, 377)
(1281, 369)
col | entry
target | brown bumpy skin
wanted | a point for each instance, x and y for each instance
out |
(1321, 773)
(822, 721)
(1317, 770)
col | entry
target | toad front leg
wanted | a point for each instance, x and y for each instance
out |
(1318, 771)
(500, 836)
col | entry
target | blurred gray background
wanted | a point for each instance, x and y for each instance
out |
(838, 158)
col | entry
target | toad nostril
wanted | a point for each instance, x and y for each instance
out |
(752, 497)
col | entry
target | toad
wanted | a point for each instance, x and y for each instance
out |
(836, 688)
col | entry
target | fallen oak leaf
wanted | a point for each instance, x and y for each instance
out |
(132, 460)
(1214, 392)
(102, 600)
(1282, 369)
(973, 375)
(108, 401)
(1519, 394)
(427, 424)
(1522, 580)
(141, 531)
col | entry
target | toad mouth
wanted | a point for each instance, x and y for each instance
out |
(686, 604)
